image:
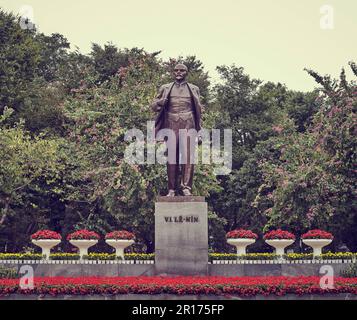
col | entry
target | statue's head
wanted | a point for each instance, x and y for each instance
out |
(180, 72)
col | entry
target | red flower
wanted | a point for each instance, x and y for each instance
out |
(120, 235)
(317, 234)
(241, 233)
(279, 234)
(46, 234)
(83, 235)
(182, 285)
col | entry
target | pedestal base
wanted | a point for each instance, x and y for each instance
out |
(181, 236)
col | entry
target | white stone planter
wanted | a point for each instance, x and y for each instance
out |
(280, 245)
(46, 245)
(83, 246)
(317, 245)
(119, 246)
(240, 243)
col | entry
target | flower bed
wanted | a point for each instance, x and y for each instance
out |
(151, 256)
(64, 256)
(339, 255)
(298, 256)
(100, 256)
(20, 256)
(241, 234)
(128, 256)
(139, 256)
(240, 286)
(75, 256)
(248, 256)
(259, 256)
(288, 256)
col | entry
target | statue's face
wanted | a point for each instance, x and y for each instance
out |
(180, 72)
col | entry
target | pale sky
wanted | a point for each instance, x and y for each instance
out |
(272, 39)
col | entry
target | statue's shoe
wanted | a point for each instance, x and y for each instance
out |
(171, 193)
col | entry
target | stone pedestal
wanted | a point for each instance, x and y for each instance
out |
(181, 236)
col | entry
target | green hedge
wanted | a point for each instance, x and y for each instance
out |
(21, 256)
(129, 256)
(75, 256)
(289, 256)
(151, 256)
(64, 256)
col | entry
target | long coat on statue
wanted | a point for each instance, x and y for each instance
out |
(163, 94)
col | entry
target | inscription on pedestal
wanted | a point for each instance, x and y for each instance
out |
(181, 236)
(182, 219)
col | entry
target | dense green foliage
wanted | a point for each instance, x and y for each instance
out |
(63, 117)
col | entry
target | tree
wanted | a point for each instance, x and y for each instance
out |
(24, 161)
(53, 55)
(252, 110)
(312, 184)
(20, 56)
(29, 65)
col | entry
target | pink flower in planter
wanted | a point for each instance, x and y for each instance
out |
(46, 234)
(317, 234)
(120, 235)
(241, 233)
(83, 235)
(279, 234)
